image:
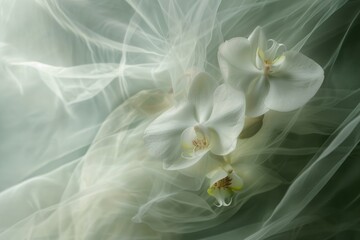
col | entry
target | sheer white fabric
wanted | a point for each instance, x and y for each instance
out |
(81, 81)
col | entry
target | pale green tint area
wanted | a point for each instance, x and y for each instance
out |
(73, 110)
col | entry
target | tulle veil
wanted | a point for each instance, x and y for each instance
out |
(81, 80)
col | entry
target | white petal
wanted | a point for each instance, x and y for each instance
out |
(187, 137)
(226, 120)
(295, 83)
(163, 135)
(185, 161)
(201, 95)
(189, 154)
(257, 41)
(237, 64)
(217, 175)
(236, 182)
(223, 196)
(195, 135)
(255, 97)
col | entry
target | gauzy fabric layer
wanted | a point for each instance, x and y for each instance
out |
(82, 80)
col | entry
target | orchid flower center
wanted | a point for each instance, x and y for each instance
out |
(222, 191)
(223, 183)
(200, 142)
(195, 140)
(270, 59)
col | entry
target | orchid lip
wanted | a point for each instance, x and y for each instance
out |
(271, 58)
(223, 186)
(195, 140)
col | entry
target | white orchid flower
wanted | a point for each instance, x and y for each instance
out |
(271, 77)
(224, 182)
(209, 120)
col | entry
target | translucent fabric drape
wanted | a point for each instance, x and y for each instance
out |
(81, 80)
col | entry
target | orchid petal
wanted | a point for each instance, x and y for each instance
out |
(183, 161)
(226, 120)
(236, 182)
(195, 141)
(255, 97)
(216, 175)
(257, 41)
(223, 183)
(201, 95)
(295, 83)
(221, 195)
(236, 63)
(190, 152)
(162, 136)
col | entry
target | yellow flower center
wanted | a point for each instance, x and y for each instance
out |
(267, 67)
(200, 142)
(271, 58)
(194, 141)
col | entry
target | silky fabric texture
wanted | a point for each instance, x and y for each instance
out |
(81, 81)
